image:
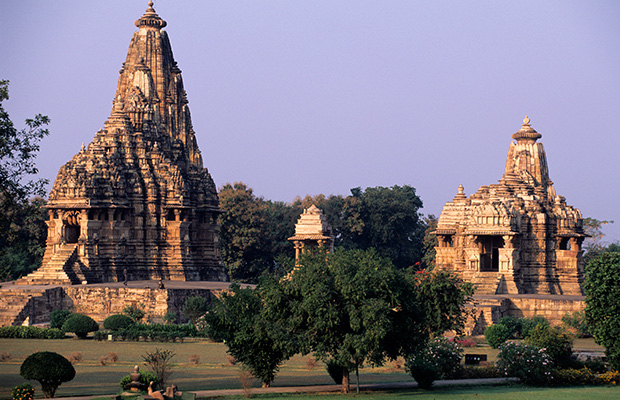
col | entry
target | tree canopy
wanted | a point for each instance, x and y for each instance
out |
(22, 227)
(602, 287)
(49, 368)
(350, 307)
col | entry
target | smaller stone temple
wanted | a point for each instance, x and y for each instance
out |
(516, 236)
(311, 232)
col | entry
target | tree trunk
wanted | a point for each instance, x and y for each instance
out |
(357, 377)
(345, 380)
(266, 384)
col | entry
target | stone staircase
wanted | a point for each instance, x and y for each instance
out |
(486, 282)
(16, 304)
(64, 268)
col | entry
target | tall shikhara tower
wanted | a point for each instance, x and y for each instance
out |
(137, 201)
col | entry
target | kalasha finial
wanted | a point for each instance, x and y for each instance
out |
(526, 121)
(150, 18)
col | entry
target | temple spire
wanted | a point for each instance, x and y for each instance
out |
(150, 19)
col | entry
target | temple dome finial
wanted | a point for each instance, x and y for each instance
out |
(526, 132)
(151, 19)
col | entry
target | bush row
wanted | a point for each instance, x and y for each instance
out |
(30, 332)
(155, 332)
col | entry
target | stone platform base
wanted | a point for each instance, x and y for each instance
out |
(34, 303)
(488, 309)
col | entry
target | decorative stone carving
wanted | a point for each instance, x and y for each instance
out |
(312, 231)
(137, 197)
(516, 236)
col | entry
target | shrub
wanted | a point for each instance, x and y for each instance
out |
(610, 378)
(556, 343)
(437, 360)
(466, 342)
(135, 312)
(573, 377)
(58, 317)
(49, 368)
(118, 321)
(80, 324)
(171, 317)
(145, 378)
(496, 335)
(528, 363)
(160, 363)
(527, 324)
(194, 359)
(4, 356)
(25, 391)
(477, 372)
(195, 307)
(577, 322)
(513, 324)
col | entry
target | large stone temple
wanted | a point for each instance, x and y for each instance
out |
(516, 239)
(136, 203)
(132, 216)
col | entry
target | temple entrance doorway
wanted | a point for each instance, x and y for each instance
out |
(489, 253)
(71, 224)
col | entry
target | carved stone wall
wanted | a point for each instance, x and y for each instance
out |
(136, 203)
(516, 236)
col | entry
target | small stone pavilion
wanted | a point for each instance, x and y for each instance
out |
(311, 232)
(137, 202)
(132, 216)
(516, 238)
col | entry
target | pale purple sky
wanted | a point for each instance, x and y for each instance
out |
(309, 97)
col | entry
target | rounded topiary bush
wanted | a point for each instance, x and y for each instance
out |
(439, 359)
(58, 317)
(80, 324)
(117, 321)
(528, 363)
(497, 334)
(49, 368)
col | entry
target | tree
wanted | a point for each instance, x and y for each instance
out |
(195, 307)
(238, 318)
(351, 306)
(49, 368)
(160, 363)
(594, 245)
(22, 230)
(58, 318)
(134, 312)
(80, 324)
(602, 287)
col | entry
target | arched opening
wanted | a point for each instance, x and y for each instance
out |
(71, 223)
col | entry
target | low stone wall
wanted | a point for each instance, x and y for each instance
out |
(487, 310)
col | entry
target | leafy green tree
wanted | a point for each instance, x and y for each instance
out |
(195, 307)
(238, 319)
(497, 334)
(602, 287)
(134, 312)
(49, 368)
(429, 242)
(557, 344)
(351, 307)
(22, 230)
(80, 324)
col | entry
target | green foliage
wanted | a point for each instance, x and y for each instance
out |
(195, 307)
(593, 245)
(528, 324)
(25, 391)
(146, 378)
(238, 318)
(80, 324)
(49, 368)
(445, 296)
(134, 312)
(118, 321)
(497, 334)
(160, 363)
(171, 317)
(22, 222)
(335, 370)
(58, 317)
(438, 359)
(429, 242)
(557, 344)
(528, 363)
(30, 332)
(513, 324)
(602, 287)
(574, 377)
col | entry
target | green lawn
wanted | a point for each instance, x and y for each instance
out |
(215, 372)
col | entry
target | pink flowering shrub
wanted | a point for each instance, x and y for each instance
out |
(529, 363)
(437, 360)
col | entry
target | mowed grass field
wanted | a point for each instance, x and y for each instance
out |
(215, 372)
(212, 372)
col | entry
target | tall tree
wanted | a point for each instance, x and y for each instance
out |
(18, 150)
(602, 287)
